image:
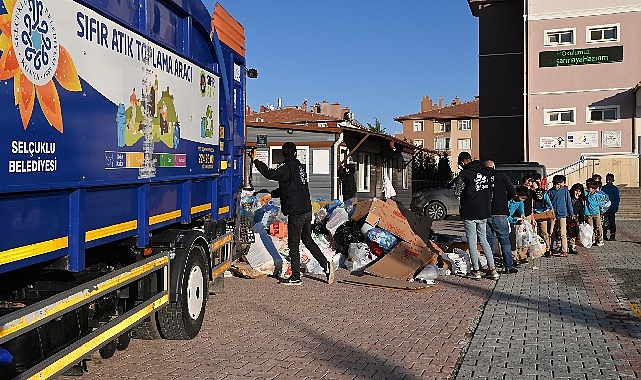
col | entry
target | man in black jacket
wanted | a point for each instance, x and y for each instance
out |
(347, 175)
(474, 187)
(502, 192)
(296, 204)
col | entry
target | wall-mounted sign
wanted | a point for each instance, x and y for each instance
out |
(611, 139)
(583, 139)
(585, 56)
(261, 141)
(552, 142)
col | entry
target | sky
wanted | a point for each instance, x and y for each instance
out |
(377, 57)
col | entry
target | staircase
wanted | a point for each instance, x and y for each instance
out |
(630, 206)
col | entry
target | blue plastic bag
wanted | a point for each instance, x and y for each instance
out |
(386, 240)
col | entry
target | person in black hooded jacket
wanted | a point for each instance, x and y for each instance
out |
(347, 175)
(474, 187)
(296, 204)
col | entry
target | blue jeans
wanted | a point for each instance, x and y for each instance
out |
(475, 230)
(498, 224)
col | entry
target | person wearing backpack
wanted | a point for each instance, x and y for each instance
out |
(562, 205)
(613, 194)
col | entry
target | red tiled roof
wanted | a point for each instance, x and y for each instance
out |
(462, 110)
(288, 115)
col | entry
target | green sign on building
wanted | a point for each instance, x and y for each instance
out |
(581, 56)
(261, 141)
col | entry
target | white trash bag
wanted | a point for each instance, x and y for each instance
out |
(586, 233)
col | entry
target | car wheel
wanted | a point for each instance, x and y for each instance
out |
(435, 211)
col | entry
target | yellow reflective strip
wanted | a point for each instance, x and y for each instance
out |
(201, 208)
(219, 243)
(105, 336)
(164, 217)
(111, 230)
(223, 210)
(221, 269)
(636, 309)
(74, 299)
(31, 250)
(224, 165)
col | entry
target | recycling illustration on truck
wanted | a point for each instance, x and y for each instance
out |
(123, 131)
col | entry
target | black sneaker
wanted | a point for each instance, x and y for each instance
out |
(613, 238)
(524, 261)
(330, 273)
(474, 274)
(511, 270)
(290, 281)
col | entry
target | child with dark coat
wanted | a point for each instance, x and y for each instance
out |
(578, 197)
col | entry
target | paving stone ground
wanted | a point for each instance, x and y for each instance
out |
(570, 319)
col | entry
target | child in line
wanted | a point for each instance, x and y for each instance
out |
(578, 197)
(593, 210)
(541, 203)
(562, 205)
(517, 216)
(613, 194)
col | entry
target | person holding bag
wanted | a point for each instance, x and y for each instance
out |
(541, 204)
(562, 206)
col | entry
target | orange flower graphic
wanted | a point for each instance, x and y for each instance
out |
(29, 58)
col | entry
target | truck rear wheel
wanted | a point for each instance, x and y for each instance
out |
(182, 320)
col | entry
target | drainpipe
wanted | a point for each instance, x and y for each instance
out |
(336, 149)
(526, 137)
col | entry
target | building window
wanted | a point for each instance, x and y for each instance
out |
(442, 143)
(276, 156)
(603, 114)
(418, 126)
(386, 170)
(559, 37)
(448, 126)
(419, 143)
(363, 173)
(465, 125)
(559, 116)
(439, 127)
(464, 144)
(603, 33)
(406, 182)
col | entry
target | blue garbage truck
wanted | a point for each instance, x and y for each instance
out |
(122, 127)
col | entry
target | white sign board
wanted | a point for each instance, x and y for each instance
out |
(552, 142)
(611, 139)
(321, 161)
(583, 139)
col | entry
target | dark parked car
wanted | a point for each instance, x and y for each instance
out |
(440, 202)
(436, 203)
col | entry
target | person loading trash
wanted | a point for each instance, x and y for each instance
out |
(296, 204)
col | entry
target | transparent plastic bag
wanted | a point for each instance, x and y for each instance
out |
(430, 272)
(586, 233)
(338, 218)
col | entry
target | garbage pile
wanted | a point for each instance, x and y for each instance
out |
(375, 237)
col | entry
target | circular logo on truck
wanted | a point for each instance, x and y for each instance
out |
(35, 40)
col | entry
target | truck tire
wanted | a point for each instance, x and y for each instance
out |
(147, 329)
(181, 320)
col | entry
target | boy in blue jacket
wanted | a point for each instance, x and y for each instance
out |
(562, 205)
(613, 194)
(593, 210)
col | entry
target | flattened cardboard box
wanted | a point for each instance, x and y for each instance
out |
(387, 216)
(402, 262)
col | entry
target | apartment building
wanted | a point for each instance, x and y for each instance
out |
(558, 78)
(448, 129)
